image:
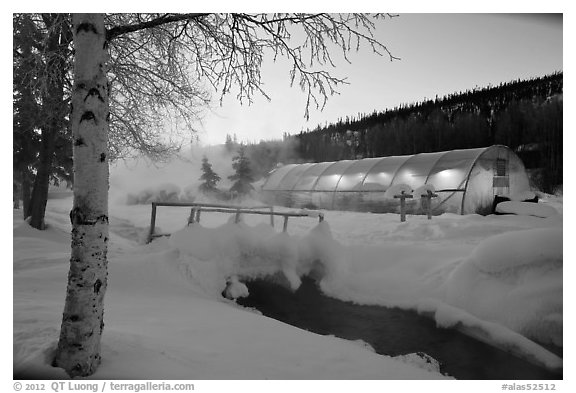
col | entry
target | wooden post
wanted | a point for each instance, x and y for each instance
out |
(152, 222)
(272, 216)
(402, 198)
(285, 228)
(198, 215)
(237, 218)
(427, 202)
(192, 216)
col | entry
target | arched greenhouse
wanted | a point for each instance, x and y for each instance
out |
(466, 181)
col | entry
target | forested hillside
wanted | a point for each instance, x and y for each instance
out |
(524, 115)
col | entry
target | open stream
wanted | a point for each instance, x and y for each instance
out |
(390, 331)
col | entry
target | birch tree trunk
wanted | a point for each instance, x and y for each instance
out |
(82, 322)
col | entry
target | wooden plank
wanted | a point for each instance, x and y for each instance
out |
(192, 204)
(246, 211)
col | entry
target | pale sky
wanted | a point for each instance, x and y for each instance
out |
(440, 54)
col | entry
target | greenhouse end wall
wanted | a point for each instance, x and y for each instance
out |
(465, 181)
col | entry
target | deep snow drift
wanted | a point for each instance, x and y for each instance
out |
(510, 286)
(498, 278)
(166, 322)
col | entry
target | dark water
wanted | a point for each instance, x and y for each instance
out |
(389, 331)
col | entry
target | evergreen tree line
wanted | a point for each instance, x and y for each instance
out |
(523, 115)
(42, 151)
(147, 89)
(242, 178)
(264, 156)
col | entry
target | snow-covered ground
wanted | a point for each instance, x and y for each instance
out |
(165, 317)
(496, 278)
(164, 323)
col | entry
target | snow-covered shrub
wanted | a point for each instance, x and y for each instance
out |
(166, 192)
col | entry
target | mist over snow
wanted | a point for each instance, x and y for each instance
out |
(179, 175)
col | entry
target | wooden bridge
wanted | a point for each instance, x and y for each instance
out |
(197, 209)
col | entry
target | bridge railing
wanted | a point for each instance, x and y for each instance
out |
(198, 208)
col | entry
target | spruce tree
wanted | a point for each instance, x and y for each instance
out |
(209, 178)
(229, 144)
(243, 177)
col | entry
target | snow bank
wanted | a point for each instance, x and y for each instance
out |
(490, 333)
(526, 209)
(487, 275)
(212, 256)
(507, 292)
(514, 279)
(160, 325)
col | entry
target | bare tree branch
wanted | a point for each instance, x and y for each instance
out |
(142, 25)
(227, 50)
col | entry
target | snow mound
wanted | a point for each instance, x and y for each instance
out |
(216, 258)
(423, 190)
(397, 189)
(523, 196)
(522, 248)
(526, 209)
(515, 279)
(490, 333)
(235, 289)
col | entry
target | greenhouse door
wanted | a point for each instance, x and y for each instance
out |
(501, 181)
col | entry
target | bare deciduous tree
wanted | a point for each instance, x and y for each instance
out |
(83, 320)
(164, 55)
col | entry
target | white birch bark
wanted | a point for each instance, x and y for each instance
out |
(82, 322)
